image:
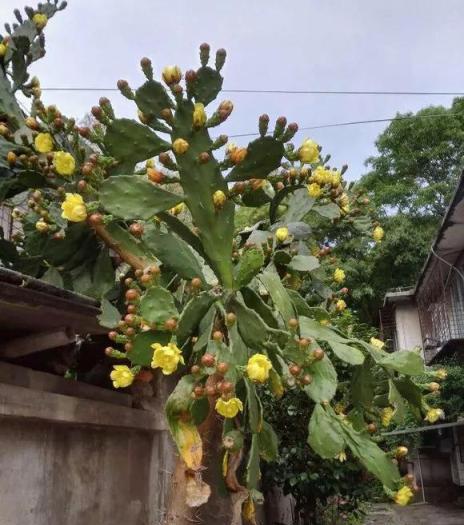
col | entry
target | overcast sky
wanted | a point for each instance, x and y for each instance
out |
(406, 45)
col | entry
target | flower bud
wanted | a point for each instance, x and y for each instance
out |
(401, 452)
(219, 198)
(41, 226)
(155, 175)
(220, 59)
(433, 387)
(225, 109)
(180, 146)
(263, 124)
(172, 75)
(281, 234)
(204, 54)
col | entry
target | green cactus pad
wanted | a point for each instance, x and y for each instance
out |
(254, 301)
(282, 302)
(259, 197)
(199, 182)
(193, 313)
(207, 85)
(263, 156)
(249, 265)
(134, 197)
(131, 142)
(157, 306)
(173, 252)
(152, 98)
(142, 353)
(129, 243)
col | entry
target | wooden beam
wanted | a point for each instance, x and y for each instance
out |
(38, 342)
(22, 403)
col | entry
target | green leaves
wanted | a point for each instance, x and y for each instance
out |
(278, 293)
(349, 354)
(268, 443)
(325, 435)
(324, 383)
(406, 362)
(330, 210)
(372, 457)
(130, 142)
(157, 306)
(207, 85)
(134, 197)
(249, 265)
(304, 263)
(152, 98)
(109, 316)
(142, 353)
(173, 252)
(192, 314)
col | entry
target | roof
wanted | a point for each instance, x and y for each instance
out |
(449, 243)
(418, 430)
(30, 305)
(399, 295)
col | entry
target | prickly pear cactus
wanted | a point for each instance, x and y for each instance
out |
(147, 209)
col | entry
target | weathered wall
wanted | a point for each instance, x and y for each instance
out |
(408, 331)
(55, 470)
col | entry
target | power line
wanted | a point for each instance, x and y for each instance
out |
(287, 91)
(355, 122)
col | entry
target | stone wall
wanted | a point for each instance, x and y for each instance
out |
(75, 454)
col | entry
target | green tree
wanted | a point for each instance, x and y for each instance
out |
(409, 185)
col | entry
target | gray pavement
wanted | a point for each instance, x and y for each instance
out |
(417, 514)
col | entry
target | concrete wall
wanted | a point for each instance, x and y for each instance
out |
(67, 460)
(408, 331)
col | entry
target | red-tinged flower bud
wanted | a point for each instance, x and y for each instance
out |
(136, 228)
(210, 391)
(307, 379)
(109, 351)
(239, 188)
(196, 283)
(190, 76)
(195, 369)
(112, 335)
(281, 122)
(81, 185)
(293, 323)
(155, 175)
(218, 335)
(318, 354)
(204, 53)
(145, 376)
(97, 112)
(295, 370)
(227, 387)
(220, 58)
(225, 109)
(279, 186)
(170, 325)
(132, 294)
(131, 308)
(128, 281)
(199, 391)
(122, 85)
(222, 368)
(207, 360)
(128, 347)
(204, 157)
(95, 219)
(84, 131)
(372, 428)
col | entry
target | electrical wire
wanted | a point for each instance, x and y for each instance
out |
(290, 91)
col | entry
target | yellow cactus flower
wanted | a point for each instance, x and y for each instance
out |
(378, 234)
(434, 414)
(122, 376)
(377, 343)
(166, 357)
(441, 374)
(219, 198)
(322, 176)
(229, 408)
(340, 305)
(172, 75)
(308, 152)
(179, 208)
(341, 456)
(386, 416)
(401, 452)
(249, 511)
(40, 20)
(64, 163)
(403, 496)
(189, 444)
(3, 49)
(236, 155)
(344, 201)
(180, 146)
(336, 178)
(74, 208)
(258, 368)
(199, 115)
(339, 275)
(41, 226)
(314, 190)
(43, 143)
(281, 234)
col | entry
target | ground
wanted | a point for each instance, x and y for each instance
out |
(418, 514)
